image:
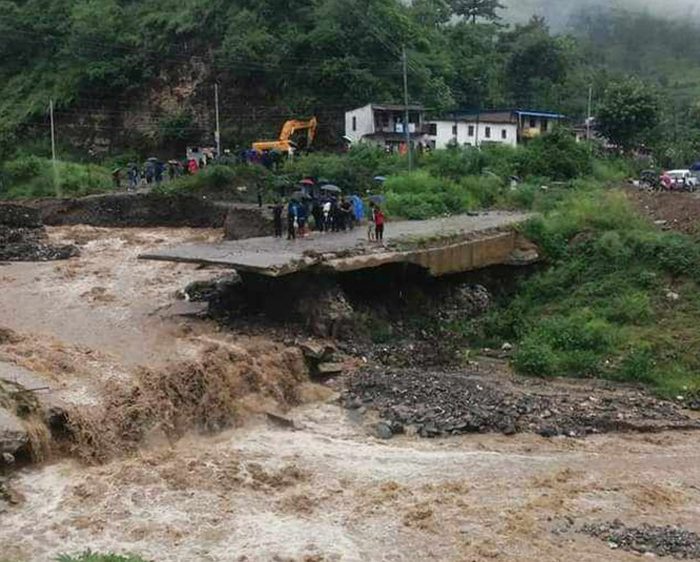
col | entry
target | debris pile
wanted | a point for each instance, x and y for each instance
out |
(23, 237)
(447, 403)
(647, 539)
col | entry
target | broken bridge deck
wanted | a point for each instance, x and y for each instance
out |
(442, 246)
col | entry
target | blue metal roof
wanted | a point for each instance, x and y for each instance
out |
(515, 111)
(545, 114)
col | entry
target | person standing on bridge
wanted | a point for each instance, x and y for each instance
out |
(379, 220)
(277, 209)
(292, 220)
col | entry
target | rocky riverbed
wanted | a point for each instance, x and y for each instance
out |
(442, 403)
(24, 238)
(647, 539)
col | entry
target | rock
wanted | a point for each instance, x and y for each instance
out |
(383, 430)
(7, 458)
(330, 369)
(313, 350)
(13, 435)
(328, 312)
(673, 297)
(280, 421)
(507, 347)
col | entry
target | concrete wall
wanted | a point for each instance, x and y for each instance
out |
(500, 248)
(363, 120)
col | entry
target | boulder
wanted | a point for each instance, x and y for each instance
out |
(330, 369)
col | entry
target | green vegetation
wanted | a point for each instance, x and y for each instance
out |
(605, 304)
(139, 76)
(31, 176)
(89, 556)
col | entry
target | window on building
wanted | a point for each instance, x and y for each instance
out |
(354, 123)
(471, 130)
(544, 125)
(454, 130)
(504, 134)
(533, 123)
(487, 132)
(432, 129)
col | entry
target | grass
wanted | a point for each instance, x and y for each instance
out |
(601, 306)
(31, 176)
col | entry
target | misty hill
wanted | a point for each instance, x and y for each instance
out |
(560, 12)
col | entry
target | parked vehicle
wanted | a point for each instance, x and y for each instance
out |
(679, 180)
(650, 180)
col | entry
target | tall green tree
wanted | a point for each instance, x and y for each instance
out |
(477, 9)
(629, 112)
(536, 62)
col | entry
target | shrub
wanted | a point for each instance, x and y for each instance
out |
(637, 365)
(556, 155)
(421, 195)
(31, 176)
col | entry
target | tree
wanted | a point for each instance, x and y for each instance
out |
(473, 9)
(629, 111)
(536, 62)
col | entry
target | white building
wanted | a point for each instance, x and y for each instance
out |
(383, 124)
(443, 133)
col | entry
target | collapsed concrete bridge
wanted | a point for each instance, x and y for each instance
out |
(442, 247)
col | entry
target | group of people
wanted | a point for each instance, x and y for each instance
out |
(327, 214)
(155, 172)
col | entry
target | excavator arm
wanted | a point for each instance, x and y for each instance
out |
(288, 130)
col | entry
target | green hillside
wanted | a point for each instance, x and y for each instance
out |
(139, 76)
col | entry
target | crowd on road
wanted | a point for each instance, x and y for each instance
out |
(155, 172)
(328, 215)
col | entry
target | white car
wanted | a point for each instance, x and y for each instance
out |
(683, 179)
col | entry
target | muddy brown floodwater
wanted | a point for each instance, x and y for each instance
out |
(326, 490)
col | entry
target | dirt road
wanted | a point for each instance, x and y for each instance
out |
(327, 491)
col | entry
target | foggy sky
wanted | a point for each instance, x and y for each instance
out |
(559, 12)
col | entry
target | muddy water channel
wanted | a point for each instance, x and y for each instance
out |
(100, 330)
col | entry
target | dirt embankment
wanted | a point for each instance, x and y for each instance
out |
(121, 210)
(672, 211)
(24, 238)
(131, 210)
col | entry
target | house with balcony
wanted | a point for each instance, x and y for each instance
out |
(384, 125)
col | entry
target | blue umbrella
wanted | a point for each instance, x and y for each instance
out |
(695, 167)
(378, 199)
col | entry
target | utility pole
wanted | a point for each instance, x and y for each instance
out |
(406, 116)
(590, 111)
(217, 134)
(53, 150)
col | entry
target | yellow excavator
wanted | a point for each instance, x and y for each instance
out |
(285, 142)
